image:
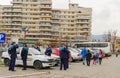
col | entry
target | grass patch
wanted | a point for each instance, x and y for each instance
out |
(1, 63)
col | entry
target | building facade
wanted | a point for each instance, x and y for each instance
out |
(45, 24)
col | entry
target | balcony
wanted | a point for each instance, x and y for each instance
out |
(45, 6)
(45, 24)
(49, 16)
(12, 2)
(33, 34)
(43, 29)
(46, 2)
(45, 34)
(45, 11)
(31, 3)
(84, 17)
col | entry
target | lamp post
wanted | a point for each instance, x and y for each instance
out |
(25, 29)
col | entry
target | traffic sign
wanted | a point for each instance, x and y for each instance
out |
(2, 37)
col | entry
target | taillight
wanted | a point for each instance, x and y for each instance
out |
(78, 54)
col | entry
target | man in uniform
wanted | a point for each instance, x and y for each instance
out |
(63, 57)
(24, 54)
(13, 55)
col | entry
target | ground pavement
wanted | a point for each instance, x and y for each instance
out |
(110, 68)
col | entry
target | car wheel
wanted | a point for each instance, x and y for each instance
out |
(6, 61)
(37, 65)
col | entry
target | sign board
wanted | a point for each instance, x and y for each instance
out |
(2, 37)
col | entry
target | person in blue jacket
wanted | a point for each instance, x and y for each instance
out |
(13, 55)
(48, 51)
(83, 53)
(24, 53)
(64, 55)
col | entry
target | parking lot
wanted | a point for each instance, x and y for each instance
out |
(109, 69)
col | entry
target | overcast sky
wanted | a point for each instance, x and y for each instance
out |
(105, 15)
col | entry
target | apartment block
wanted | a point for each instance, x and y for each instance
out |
(44, 23)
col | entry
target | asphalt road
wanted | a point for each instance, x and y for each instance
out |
(110, 68)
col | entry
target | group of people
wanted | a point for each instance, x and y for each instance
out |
(24, 52)
(64, 56)
(13, 55)
(87, 56)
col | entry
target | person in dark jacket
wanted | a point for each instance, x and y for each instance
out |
(64, 54)
(13, 55)
(48, 51)
(37, 47)
(88, 57)
(68, 56)
(24, 54)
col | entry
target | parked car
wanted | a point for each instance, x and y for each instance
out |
(74, 54)
(35, 58)
(56, 58)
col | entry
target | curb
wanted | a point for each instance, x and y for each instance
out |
(15, 76)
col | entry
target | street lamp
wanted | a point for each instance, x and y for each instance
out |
(25, 29)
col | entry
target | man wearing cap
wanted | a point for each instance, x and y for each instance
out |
(24, 54)
(13, 55)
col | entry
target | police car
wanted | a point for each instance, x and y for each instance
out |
(35, 58)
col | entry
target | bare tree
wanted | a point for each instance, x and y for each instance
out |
(110, 36)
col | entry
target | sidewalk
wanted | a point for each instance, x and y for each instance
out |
(4, 73)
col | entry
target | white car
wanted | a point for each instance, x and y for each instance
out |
(57, 58)
(35, 58)
(75, 54)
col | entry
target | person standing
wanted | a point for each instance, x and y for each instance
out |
(13, 55)
(63, 57)
(97, 57)
(68, 56)
(116, 53)
(48, 51)
(83, 53)
(37, 47)
(24, 54)
(100, 56)
(94, 59)
(88, 57)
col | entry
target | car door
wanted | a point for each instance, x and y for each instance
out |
(30, 57)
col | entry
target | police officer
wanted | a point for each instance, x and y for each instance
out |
(48, 51)
(24, 54)
(63, 57)
(13, 55)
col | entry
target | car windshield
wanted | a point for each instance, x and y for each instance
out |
(35, 52)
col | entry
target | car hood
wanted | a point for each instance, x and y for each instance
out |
(44, 57)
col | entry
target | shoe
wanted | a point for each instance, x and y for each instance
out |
(24, 69)
(13, 70)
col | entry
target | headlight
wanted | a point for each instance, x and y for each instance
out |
(50, 60)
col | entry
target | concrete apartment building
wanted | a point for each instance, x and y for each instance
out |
(45, 23)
